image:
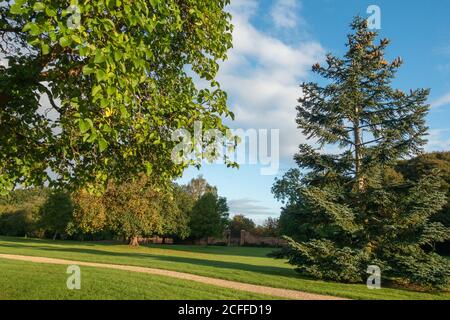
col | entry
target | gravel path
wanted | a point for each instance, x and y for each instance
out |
(276, 292)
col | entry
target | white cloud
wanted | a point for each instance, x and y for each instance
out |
(438, 140)
(442, 101)
(284, 13)
(262, 77)
(249, 207)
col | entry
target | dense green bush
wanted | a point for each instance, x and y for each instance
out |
(15, 223)
(56, 213)
(20, 213)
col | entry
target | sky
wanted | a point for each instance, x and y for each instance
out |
(275, 43)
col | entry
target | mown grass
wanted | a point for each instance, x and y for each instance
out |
(31, 281)
(249, 265)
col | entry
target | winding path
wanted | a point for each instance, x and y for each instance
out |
(276, 292)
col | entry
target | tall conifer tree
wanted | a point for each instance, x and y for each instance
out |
(356, 216)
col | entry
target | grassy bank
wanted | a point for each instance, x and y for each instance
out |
(24, 280)
(249, 265)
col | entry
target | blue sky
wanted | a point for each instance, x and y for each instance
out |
(275, 44)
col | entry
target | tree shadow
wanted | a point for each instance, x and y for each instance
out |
(137, 257)
(256, 252)
(55, 242)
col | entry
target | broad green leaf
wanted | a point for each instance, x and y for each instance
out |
(84, 125)
(17, 8)
(83, 51)
(33, 28)
(99, 57)
(148, 168)
(50, 12)
(45, 48)
(118, 56)
(93, 137)
(39, 7)
(154, 3)
(96, 89)
(101, 75)
(76, 39)
(87, 70)
(102, 144)
(64, 42)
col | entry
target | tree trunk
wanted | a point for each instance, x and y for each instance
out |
(133, 241)
(55, 235)
(358, 145)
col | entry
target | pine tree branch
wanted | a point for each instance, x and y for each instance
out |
(372, 141)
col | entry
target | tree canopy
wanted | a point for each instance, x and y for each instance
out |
(56, 213)
(141, 209)
(208, 216)
(198, 187)
(94, 89)
(240, 222)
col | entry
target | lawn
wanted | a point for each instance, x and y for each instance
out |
(248, 265)
(25, 280)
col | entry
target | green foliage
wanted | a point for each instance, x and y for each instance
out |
(183, 198)
(20, 212)
(353, 209)
(135, 208)
(241, 222)
(223, 211)
(117, 80)
(175, 219)
(208, 211)
(22, 196)
(269, 228)
(425, 164)
(336, 264)
(90, 216)
(18, 222)
(139, 208)
(198, 187)
(56, 212)
(207, 217)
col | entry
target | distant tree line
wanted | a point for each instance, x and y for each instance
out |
(269, 228)
(138, 208)
(125, 211)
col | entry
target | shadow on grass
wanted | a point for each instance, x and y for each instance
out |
(186, 263)
(56, 242)
(256, 252)
(136, 257)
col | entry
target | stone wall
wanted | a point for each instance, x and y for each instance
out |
(245, 239)
(155, 240)
(248, 239)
